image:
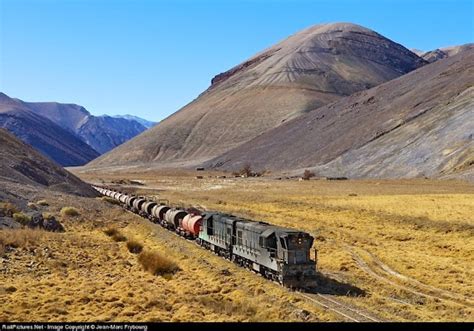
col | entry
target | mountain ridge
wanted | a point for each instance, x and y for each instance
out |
(307, 70)
(50, 139)
(429, 110)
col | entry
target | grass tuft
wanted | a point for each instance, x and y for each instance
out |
(21, 218)
(115, 234)
(134, 247)
(42, 203)
(157, 264)
(32, 205)
(8, 209)
(18, 238)
(69, 211)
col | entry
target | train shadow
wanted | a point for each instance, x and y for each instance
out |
(327, 285)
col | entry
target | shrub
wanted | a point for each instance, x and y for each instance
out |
(119, 237)
(115, 234)
(42, 203)
(308, 174)
(48, 216)
(7, 209)
(110, 231)
(21, 218)
(134, 246)
(69, 211)
(246, 170)
(16, 238)
(157, 264)
(33, 206)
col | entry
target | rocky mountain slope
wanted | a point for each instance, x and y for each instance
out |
(421, 124)
(24, 171)
(147, 124)
(102, 133)
(307, 70)
(49, 138)
(442, 53)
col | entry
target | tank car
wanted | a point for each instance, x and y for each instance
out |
(173, 218)
(158, 213)
(146, 209)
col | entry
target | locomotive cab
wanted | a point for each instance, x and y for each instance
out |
(290, 247)
(296, 247)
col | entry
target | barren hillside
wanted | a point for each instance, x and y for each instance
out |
(442, 53)
(420, 124)
(307, 70)
(24, 171)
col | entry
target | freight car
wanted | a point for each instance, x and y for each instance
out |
(277, 253)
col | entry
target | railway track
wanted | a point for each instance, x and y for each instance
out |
(350, 314)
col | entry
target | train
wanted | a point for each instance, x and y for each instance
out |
(277, 253)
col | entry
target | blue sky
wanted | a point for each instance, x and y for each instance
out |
(149, 58)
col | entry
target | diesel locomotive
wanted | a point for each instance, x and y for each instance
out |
(277, 253)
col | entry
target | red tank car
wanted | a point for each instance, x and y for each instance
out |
(192, 224)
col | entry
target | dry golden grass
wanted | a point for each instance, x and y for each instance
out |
(115, 234)
(8, 209)
(79, 275)
(69, 211)
(406, 243)
(19, 238)
(387, 238)
(157, 264)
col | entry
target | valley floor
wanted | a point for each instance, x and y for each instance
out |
(398, 250)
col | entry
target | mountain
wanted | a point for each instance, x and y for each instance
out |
(420, 124)
(44, 135)
(23, 171)
(443, 53)
(147, 124)
(307, 70)
(102, 133)
(418, 52)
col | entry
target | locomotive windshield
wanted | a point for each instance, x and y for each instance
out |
(298, 241)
